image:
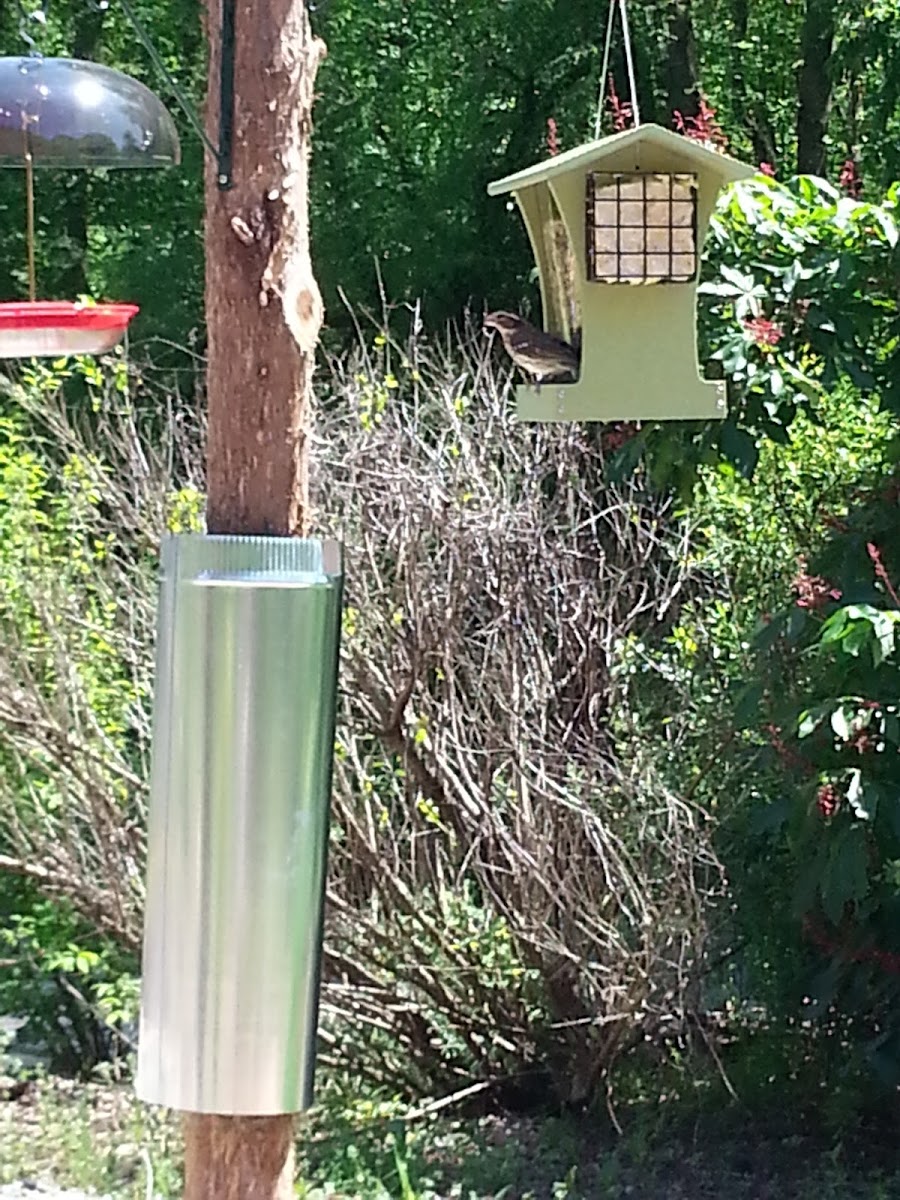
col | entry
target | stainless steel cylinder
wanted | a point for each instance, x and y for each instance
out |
(246, 679)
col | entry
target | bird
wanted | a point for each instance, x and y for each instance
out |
(542, 356)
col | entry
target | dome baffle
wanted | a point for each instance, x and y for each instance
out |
(81, 114)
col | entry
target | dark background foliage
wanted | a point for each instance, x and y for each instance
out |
(421, 105)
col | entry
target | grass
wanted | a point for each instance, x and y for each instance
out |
(672, 1147)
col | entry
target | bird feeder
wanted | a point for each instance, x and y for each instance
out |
(61, 112)
(50, 328)
(617, 227)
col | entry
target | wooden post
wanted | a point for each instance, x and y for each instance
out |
(263, 308)
(263, 313)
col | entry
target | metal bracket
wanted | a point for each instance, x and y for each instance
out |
(226, 94)
(223, 152)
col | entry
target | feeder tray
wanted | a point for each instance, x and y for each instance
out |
(50, 328)
(81, 114)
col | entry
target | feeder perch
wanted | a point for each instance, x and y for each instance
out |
(617, 227)
(81, 114)
(51, 328)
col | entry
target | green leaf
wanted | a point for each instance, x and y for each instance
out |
(823, 990)
(834, 626)
(855, 796)
(841, 720)
(740, 448)
(810, 721)
(846, 877)
(887, 224)
(770, 633)
(746, 709)
(884, 627)
(891, 728)
(769, 818)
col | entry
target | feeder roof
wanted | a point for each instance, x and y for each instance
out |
(592, 154)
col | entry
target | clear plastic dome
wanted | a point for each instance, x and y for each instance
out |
(81, 114)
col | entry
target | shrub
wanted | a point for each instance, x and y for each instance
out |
(510, 900)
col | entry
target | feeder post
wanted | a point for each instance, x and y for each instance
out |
(263, 315)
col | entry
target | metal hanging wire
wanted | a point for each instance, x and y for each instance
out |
(620, 7)
(29, 210)
(223, 152)
(26, 16)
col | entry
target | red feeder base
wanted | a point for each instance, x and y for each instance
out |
(50, 328)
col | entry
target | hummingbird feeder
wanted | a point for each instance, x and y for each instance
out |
(61, 112)
(50, 328)
(617, 227)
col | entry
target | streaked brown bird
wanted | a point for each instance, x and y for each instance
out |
(542, 356)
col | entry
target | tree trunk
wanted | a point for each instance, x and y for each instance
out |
(682, 71)
(263, 314)
(263, 306)
(814, 85)
(756, 120)
(238, 1158)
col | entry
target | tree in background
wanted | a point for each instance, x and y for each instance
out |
(428, 102)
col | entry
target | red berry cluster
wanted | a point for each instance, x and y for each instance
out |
(622, 111)
(886, 959)
(788, 755)
(850, 179)
(828, 800)
(862, 741)
(881, 571)
(813, 592)
(615, 437)
(552, 137)
(763, 331)
(704, 127)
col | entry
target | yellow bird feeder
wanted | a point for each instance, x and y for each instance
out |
(606, 220)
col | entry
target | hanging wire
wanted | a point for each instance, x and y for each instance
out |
(629, 62)
(177, 90)
(29, 210)
(222, 152)
(621, 7)
(607, 46)
(27, 15)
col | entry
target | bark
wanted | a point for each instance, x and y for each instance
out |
(682, 71)
(238, 1158)
(263, 314)
(814, 85)
(263, 306)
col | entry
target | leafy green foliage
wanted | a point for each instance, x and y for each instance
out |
(799, 491)
(74, 688)
(75, 990)
(799, 299)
